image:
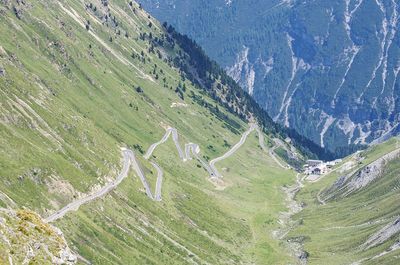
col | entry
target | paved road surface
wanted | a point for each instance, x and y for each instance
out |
(275, 156)
(271, 151)
(231, 151)
(191, 149)
(73, 206)
(157, 194)
(139, 172)
(194, 149)
(175, 138)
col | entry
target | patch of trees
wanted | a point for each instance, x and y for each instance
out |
(139, 148)
(179, 90)
(139, 89)
(210, 77)
(230, 124)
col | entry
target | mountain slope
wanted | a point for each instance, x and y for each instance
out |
(111, 132)
(329, 70)
(81, 81)
(351, 216)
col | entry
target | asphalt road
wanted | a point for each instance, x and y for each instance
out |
(128, 156)
(194, 149)
(175, 138)
(271, 151)
(157, 194)
(231, 151)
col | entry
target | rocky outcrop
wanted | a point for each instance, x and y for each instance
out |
(383, 234)
(370, 172)
(25, 237)
(359, 179)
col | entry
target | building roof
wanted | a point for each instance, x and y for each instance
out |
(314, 161)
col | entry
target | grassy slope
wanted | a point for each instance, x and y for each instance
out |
(254, 193)
(59, 76)
(330, 231)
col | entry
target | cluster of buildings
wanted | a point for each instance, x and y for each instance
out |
(319, 167)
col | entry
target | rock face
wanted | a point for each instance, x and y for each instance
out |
(359, 179)
(383, 234)
(26, 238)
(329, 69)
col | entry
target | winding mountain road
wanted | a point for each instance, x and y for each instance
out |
(278, 143)
(142, 177)
(271, 151)
(194, 149)
(128, 156)
(240, 143)
(190, 148)
(231, 151)
(191, 151)
(157, 194)
(175, 138)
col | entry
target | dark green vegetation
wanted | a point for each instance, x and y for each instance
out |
(205, 73)
(328, 69)
(79, 81)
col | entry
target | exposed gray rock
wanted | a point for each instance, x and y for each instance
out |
(38, 240)
(305, 61)
(383, 235)
(359, 179)
(339, 182)
(370, 172)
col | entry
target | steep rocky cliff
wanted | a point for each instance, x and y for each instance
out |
(326, 68)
